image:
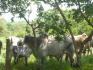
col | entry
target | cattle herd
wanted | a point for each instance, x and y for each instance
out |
(46, 46)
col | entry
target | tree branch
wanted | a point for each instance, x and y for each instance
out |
(33, 29)
(66, 22)
(86, 18)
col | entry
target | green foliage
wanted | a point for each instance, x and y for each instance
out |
(77, 16)
(81, 27)
(3, 26)
(77, 27)
(15, 6)
(17, 29)
(51, 23)
(88, 9)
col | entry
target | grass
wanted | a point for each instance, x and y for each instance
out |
(86, 63)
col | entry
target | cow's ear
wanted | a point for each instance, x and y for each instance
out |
(84, 34)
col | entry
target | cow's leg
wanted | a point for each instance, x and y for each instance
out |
(70, 56)
(90, 50)
(77, 62)
(42, 60)
(60, 57)
(15, 58)
(0, 49)
(26, 60)
(84, 51)
(66, 58)
(40, 64)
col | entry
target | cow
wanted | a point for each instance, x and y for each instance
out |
(42, 48)
(79, 42)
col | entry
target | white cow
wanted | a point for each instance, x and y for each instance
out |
(51, 48)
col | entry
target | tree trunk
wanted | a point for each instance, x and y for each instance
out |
(69, 29)
(33, 29)
(8, 55)
(66, 22)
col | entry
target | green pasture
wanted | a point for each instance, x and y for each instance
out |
(52, 64)
(86, 64)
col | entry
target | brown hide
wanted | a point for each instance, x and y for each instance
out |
(79, 40)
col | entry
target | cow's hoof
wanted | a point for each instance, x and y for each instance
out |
(75, 65)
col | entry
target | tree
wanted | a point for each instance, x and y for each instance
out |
(56, 3)
(19, 7)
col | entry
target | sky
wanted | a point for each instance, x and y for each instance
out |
(33, 15)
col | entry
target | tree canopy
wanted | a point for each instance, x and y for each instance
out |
(54, 21)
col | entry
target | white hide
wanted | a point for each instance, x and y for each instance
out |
(56, 48)
(14, 40)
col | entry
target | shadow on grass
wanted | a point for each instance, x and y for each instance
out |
(49, 65)
(86, 64)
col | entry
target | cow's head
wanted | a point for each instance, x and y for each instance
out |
(35, 41)
(83, 36)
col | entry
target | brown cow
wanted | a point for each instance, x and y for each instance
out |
(79, 46)
(87, 48)
(79, 42)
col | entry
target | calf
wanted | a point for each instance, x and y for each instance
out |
(21, 52)
(19, 49)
